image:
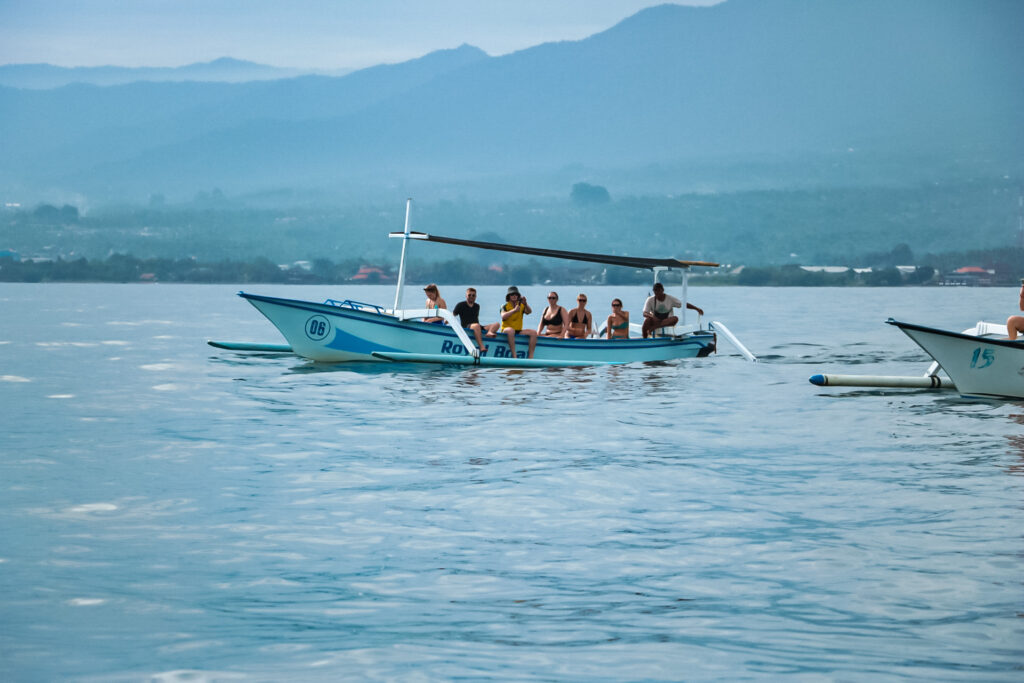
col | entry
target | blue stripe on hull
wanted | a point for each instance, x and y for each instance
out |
(451, 359)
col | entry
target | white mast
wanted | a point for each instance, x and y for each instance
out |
(401, 264)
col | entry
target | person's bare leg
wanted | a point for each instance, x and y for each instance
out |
(477, 332)
(532, 334)
(1014, 325)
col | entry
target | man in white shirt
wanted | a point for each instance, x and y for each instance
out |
(658, 310)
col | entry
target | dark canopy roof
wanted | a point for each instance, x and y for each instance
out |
(628, 261)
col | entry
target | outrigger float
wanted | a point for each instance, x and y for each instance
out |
(977, 363)
(345, 331)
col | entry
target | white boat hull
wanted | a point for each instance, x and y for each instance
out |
(333, 333)
(980, 367)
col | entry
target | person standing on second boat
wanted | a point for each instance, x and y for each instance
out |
(1015, 323)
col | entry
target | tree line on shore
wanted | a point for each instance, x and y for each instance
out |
(825, 226)
(1006, 266)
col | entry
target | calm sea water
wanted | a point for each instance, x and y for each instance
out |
(168, 510)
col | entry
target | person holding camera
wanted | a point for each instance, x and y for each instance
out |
(512, 321)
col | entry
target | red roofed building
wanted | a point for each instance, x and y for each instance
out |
(970, 276)
(370, 274)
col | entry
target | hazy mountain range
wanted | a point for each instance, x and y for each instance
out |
(762, 92)
(225, 70)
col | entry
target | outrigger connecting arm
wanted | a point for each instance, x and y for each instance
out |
(449, 318)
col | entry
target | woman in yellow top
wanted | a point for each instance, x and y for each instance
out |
(617, 325)
(512, 321)
(434, 300)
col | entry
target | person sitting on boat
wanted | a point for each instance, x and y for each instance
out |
(1015, 323)
(617, 325)
(434, 301)
(512, 321)
(658, 310)
(555, 318)
(581, 322)
(468, 313)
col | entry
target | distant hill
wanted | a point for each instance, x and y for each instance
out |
(223, 70)
(835, 92)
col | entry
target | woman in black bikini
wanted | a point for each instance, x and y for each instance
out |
(581, 323)
(554, 318)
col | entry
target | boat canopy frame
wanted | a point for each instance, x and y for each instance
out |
(610, 259)
(656, 265)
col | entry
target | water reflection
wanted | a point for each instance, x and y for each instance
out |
(1016, 442)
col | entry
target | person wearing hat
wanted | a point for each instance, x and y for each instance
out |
(435, 301)
(512, 321)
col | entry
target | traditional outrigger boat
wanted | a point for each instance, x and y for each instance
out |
(348, 330)
(981, 367)
(980, 363)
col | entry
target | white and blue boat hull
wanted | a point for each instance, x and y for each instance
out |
(332, 332)
(981, 367)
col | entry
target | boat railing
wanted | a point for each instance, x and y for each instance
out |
(678, 330)
(637, 330)
(355, 305)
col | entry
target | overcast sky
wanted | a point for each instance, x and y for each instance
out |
(300, 33)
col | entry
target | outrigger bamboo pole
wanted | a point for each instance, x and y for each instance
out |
(926, 382)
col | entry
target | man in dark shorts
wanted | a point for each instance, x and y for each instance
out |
(468, 312)
(658, 310)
